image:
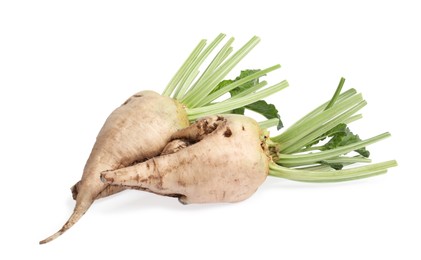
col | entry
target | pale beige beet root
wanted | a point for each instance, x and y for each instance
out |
(217, 159)
(136, 131)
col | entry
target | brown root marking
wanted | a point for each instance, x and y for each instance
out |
(127, 101)
(227, 132)
(172, 195)
(199, 130)
(107, 179)
(130, 98)
(157, 177)
(133, 163)
(75, 190)
(207, 128)
(138, 179)
(182, 183)
(175, 146)
(109, 190)
(183, 199)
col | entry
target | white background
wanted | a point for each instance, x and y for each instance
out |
(65, 65)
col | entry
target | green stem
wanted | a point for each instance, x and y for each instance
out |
(195, 90)
(230, 104)
(213, 96)
(314, 148)
(292, 134)
(348, 160)
(183, 69)
(336, 94)
(353, 118)
(193, 69)
(293, 150)
(193, 98)
(295, 144)
(217, 60)
(326, 167)
(269, 123)
(310, 158)
(344, 96)
(330, 176)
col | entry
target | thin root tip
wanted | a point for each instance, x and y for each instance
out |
(82, 205)
(51, 238)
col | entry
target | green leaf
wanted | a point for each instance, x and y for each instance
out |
(239, 111)
(336, 166)
(364, 152)
(337, 130)
(222, 84)
(247, 85)
(269, 111)
(339, 136)
(345, 137)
